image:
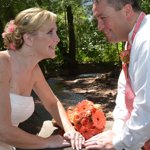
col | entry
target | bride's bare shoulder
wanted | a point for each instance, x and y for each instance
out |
(4, 58)
(4, 54)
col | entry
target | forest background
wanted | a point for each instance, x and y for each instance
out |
(81, 43)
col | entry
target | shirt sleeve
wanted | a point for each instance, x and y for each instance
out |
(120, 113)
(135, 131)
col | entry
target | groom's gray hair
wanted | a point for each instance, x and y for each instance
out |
(97, 1)
(118, 4)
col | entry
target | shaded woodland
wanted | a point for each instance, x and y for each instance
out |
(81, 43)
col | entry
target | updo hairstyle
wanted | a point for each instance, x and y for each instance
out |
(27, 21)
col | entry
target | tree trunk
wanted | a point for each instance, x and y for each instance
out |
(72, 64)
(1, 31)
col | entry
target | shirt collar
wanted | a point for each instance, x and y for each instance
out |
(131, 32)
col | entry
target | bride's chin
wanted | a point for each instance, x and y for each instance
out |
(52, 53)
(52, 56)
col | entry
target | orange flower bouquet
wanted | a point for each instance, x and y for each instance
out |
(87, 118)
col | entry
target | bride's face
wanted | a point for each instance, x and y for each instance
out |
(46, 40)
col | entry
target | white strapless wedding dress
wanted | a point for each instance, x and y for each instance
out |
(22, 108)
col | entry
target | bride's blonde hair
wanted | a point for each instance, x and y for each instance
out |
(27, 21)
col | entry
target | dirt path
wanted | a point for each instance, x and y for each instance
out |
(100, 88)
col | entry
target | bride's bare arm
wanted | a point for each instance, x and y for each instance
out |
(10, 134)
(55, 108)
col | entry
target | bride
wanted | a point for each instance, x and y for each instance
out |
(30, 38)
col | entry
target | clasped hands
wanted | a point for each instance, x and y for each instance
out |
(76, 139)
(102, 141)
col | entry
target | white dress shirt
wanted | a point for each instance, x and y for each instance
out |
(132, 133)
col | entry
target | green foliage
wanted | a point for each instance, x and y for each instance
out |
(91, 45)
(145, 5)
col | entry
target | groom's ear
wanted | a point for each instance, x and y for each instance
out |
(129, 12)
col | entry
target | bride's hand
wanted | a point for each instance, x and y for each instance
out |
(76, 139)
(57, 141)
